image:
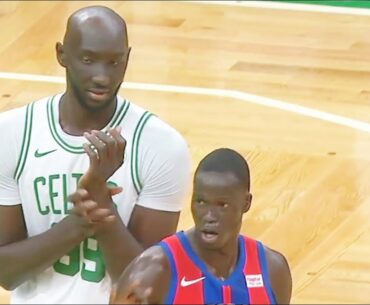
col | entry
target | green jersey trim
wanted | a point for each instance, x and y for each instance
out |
(25, 142)
(52, 121)
(135, 151)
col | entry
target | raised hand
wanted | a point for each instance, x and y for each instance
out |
(106, 153)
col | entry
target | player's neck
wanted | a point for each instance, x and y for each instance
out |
(220, 262)
(75, 119)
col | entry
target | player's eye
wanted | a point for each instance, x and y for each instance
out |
(223, 205)
(86, 60)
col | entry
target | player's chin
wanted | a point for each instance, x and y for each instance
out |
(98, 104)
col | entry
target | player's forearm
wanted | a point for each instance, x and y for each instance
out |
(21, 260)
(118, 245)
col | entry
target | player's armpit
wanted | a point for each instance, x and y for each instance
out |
(150, 226)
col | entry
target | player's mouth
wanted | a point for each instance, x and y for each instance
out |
(209, 236)
(98, 94)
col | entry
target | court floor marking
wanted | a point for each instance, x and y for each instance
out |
(290, 6)
(233, 94)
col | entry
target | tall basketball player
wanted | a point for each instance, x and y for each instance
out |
(53, 250)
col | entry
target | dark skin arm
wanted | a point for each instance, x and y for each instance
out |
(121, 244)
(22, 257)
(280, 276)
(145, 281)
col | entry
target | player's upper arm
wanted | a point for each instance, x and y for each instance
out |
(164, 167)
(149, 270)
(280, 276)
(165, 174)
(12, 227)
(11, 138)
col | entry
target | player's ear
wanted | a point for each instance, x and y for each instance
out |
(248, 202)
(61, 56)
(126, 61)
(127, 57)
(128, 53)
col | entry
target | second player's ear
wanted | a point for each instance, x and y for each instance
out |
(61, 56)
(128, 54)
(248, 202)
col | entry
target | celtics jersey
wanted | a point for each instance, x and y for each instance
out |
(49, 164)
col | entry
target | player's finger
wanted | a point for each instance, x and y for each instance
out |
(105, 137)
(145, 295)
(97, 143)
(110, 142)
(121, 142)
(98, 215)
(83, 208)
(115, 190)
(78, 195)
(109, 219)
(93, 155)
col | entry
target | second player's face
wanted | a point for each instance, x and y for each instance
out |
(97, 65)
(218, 204)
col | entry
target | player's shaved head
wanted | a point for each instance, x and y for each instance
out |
(94, 20)
(225, 160)
(95, 54)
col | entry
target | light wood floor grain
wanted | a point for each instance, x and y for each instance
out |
(310, 177)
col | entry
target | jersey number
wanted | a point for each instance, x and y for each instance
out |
(93, 268)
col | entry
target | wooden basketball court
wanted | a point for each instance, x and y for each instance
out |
(287, 88)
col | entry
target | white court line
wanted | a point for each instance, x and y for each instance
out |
(234, 94)
(291, 6)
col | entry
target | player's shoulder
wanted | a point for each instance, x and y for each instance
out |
(279, 274)
(157, 131)
(275, 258)
(13, 121)
(154, 255)
(19, 113)
(13, 115)
(16, 118)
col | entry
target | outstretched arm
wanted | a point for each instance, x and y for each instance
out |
(280, 276)
(145, 281)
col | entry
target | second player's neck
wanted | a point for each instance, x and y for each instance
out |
(220, 262)
(75, 120)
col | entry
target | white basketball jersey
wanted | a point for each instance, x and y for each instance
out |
(49, 167)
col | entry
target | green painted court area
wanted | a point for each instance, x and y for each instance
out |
(358, 4)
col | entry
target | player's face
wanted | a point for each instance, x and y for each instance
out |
(218, 204)
(96, 67)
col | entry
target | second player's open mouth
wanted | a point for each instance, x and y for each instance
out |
(209, 236)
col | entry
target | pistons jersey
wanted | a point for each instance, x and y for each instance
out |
(192, 283)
